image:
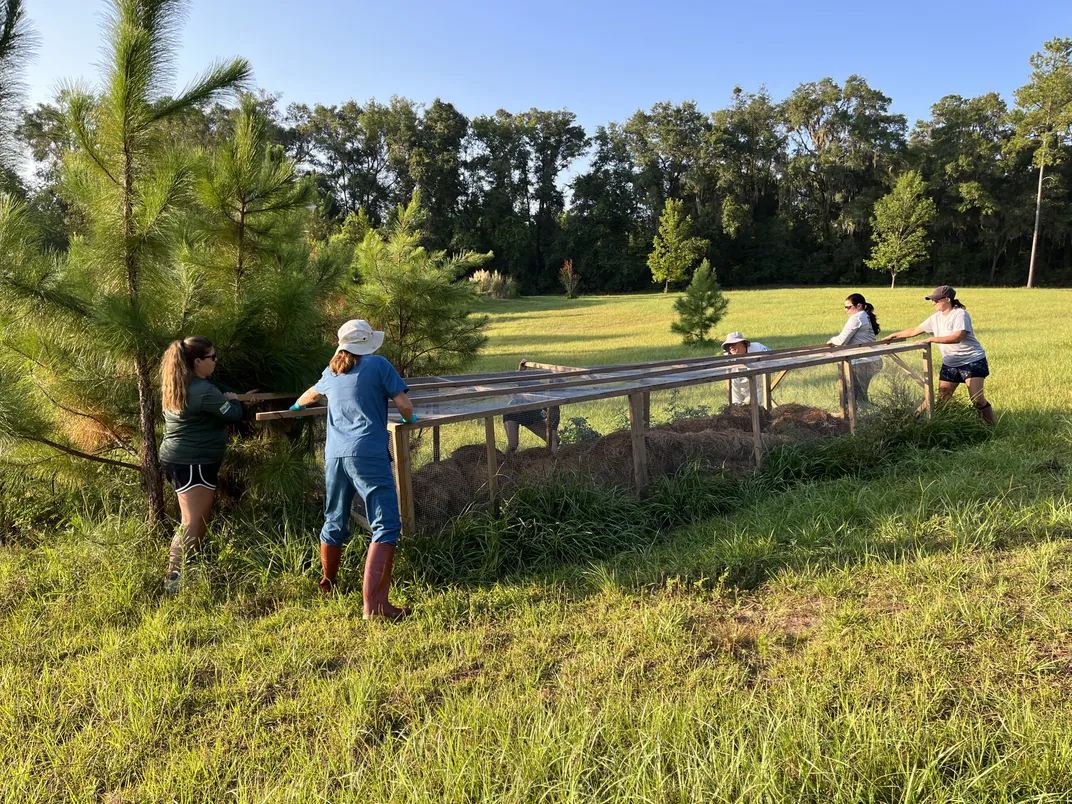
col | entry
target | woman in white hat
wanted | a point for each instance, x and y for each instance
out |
(358, 384)
(737, 344)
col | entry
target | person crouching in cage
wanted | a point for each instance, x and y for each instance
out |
(357, 460)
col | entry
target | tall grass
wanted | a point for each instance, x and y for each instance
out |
(882, 618)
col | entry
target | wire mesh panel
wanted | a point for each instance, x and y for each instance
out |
(482, 436)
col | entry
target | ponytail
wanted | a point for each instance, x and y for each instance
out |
(177, 369)
(957, 303)
(343, 361)
(857, 299)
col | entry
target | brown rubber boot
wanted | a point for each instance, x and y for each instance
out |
(987, 412)
(378, 568)
(330, 558)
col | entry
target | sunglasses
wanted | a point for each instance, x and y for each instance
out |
(849, 306)
(211, 357)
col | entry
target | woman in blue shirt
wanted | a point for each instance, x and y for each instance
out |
(358, 384)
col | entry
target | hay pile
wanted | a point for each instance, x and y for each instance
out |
(445, 489)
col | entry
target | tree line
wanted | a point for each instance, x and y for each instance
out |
(782, 191)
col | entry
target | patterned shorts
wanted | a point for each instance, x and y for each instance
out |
(960, 374)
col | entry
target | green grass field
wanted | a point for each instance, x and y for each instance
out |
(907, 638)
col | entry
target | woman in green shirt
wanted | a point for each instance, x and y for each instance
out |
(196, 414)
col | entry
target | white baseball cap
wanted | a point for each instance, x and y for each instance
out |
(733, 337)
(358, 337)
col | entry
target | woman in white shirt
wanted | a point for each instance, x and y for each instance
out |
(963, 358)
(860, 328)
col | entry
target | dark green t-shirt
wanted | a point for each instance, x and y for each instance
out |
(199, 433)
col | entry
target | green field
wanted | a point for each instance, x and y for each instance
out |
(907, 638)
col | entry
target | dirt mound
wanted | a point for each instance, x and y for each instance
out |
(445, 489)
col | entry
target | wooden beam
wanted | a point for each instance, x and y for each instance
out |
(435, 443)
(908, 370)
(843, 402)
(768, 402)
(638, 437)
(493, 463)
(928, 389)
(547, 370)
(649, 384)
(647, 410)
(403, 467)
(850, 394)
(757, 437)
(773, 385)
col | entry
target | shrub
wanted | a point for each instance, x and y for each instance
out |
(569, 278)
(494, 285)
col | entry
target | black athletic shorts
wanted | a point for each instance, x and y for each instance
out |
(185, 476)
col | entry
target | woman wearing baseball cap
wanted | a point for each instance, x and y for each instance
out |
(358, 385)
(963, 358)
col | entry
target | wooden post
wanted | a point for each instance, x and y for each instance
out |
(729, 392)
(850, 394)
(928, 388)
(640, 447)
(493, 463)
(435, 443)
(768, 402)
(647, 410)
(843, 401)
(404, 480)
(757, 438)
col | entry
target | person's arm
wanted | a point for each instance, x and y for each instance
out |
(843, 337)
(221, 405)
(403, 406)
(396, 389)
(308, 398)
(904, 333)
(955, 337)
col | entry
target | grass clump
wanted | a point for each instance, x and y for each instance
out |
(569, 519)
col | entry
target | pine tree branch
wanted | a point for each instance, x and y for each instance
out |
(122, 442)
(79, 454)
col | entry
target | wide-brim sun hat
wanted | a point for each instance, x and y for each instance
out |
(358, 337)
(733, 337)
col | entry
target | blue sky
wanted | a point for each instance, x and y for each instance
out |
(602, 60)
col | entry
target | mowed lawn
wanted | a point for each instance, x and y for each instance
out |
(902, 639)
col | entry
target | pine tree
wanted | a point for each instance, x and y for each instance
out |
(702, 306)
(93, 326)
(256, 279)
(674, 252)
(420, 298)
(16, 41)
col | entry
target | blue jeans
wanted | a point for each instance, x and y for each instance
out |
(373, 480)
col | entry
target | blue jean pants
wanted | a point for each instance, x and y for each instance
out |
(373, 480)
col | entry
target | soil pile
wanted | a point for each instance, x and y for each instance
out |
(445, 489)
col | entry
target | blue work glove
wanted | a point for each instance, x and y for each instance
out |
(296, 406)
(404, 420)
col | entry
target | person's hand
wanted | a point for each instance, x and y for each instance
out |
(233, 397)
(296, 406)
(887, 339)
(253, 390)
(411, 420)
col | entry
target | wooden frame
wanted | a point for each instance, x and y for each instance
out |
(545, 385)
